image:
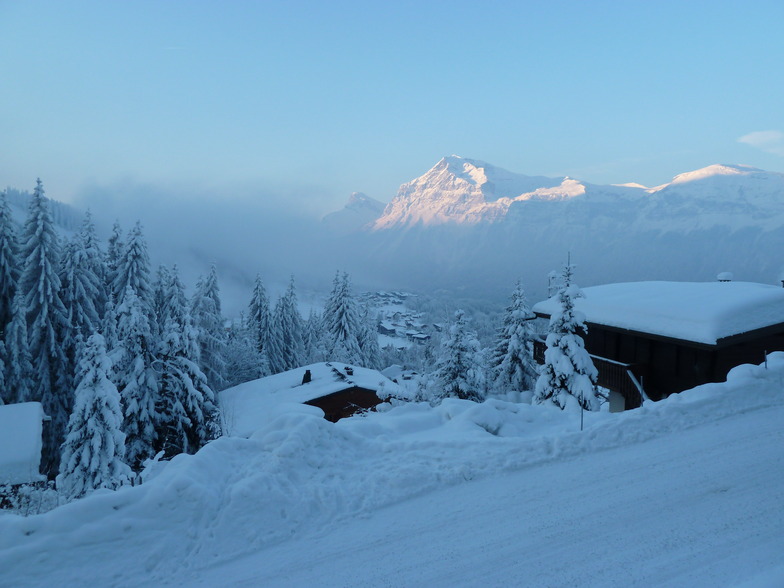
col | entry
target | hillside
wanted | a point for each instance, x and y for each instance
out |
(683, 492)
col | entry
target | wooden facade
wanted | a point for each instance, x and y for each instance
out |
(344, 403)
(628, 361)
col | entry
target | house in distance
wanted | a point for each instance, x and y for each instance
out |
(335, 389)
(659, 338)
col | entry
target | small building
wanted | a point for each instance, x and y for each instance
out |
(386, 328)
(21, 428)
(658, 338)
(420, 338)
(337, 389)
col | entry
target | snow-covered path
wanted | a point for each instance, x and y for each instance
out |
(702, 507)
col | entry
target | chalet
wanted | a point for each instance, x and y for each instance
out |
(21, 428)
(420, 338)
(337, 389)
(657, 338)
(386, 328)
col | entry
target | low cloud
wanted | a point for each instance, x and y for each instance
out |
(768, 141)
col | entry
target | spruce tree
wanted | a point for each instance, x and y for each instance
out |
(288, 332)
(244, 362)
(134, 374)
(17, 360)
(133, 270)
(82, 295)
(568, 371)
(260, 324)
(513, 363)
(460, 370)
(10, 265)
(115, 251)
(311, 338)
(94, 446)
(210, 332)
(187, 410)
(368, 340)
(341, 323)
(46, 322)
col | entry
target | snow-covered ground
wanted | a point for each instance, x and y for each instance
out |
(685, 492)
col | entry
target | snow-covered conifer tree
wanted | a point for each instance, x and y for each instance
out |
(311, 338)
(513, 362)
(244, 362)
(83, 296)
(341, 323)
(46, 322)
(96, 260)
(10, 265)
(17, 361)
(189, 416)
(109, 324)
(134, 269)
(211, 335)
(136, 379)
(115, 251)
(568, 371)
(460, 370)
(288, 332)
(94, 446)
(368, 340)
(260, 324)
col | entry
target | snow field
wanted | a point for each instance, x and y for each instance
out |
(300, 477)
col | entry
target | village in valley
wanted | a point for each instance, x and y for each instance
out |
(404, 295)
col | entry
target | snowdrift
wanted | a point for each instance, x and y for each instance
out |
(301, 474)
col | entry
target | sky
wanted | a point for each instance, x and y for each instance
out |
(298, 104)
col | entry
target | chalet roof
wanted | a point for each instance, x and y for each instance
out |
(701, 312)
(251, 403)
(20, 442)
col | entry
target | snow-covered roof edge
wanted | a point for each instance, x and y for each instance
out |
(699, 312)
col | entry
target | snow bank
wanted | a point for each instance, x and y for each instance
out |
(702, 312)
(300, 473)
(20, 442)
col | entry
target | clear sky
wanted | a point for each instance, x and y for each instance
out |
(319, 99)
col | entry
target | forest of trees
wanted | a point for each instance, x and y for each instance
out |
(128, 367)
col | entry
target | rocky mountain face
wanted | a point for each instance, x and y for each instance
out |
(468, 225)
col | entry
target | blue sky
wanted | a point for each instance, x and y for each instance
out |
(302, 103)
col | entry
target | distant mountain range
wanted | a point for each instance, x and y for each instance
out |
(467, 224)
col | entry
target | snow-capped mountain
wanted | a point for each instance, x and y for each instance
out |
(361, 210)
(469, 192)
(468, 225)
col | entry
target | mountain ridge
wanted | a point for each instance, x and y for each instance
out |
(459, 190)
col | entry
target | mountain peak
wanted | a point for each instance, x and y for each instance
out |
(717, 169)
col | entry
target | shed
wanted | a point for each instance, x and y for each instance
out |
(338, 389)
(666, 337)
(21, 426)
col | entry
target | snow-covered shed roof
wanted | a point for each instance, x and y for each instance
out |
(250, 404)
(21, 426)
(701, 312)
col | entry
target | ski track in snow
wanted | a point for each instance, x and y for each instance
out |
(684, 492)
(684, 510)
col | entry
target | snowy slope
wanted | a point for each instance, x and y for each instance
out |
(685, 492)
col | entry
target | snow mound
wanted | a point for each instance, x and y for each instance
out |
(300, 473)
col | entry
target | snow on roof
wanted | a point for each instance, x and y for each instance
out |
(249, 405)
(702, 312)
(20, 442)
